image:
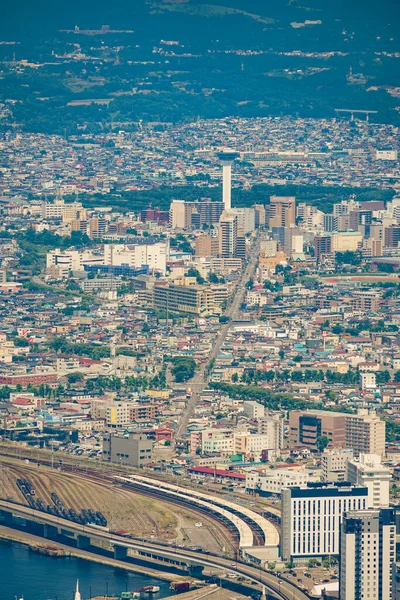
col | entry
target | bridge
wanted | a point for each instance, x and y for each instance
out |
(193, 562)
(356, 111)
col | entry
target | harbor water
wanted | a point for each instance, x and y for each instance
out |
(32, 576)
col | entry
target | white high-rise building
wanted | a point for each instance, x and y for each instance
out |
(273, 427)
(227, 157)
(369, 472)
(311, 518)
(334, 463)
(367, 555)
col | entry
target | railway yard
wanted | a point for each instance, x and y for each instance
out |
(123, 509)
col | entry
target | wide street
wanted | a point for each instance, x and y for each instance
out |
(199, 381)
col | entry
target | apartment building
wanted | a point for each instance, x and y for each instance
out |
(367, 555)
(273, 427)
(369, 472)
(334, 463)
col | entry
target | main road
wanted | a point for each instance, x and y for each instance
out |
(199, 381)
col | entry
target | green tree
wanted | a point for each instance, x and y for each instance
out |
(322, 442)
(74, 377)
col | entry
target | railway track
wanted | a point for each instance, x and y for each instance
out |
(107, 482)
(104, 475)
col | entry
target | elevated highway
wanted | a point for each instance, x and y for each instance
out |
(281, 590)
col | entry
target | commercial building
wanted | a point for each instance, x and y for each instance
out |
(194, 299)
(59, 263)
(155, 256)
(136, 450)
(367, 555)
(185, 214)
(369, 472)
(281, 211)
(311, 517)
(305, 427)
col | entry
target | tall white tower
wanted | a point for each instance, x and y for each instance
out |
(227, 157)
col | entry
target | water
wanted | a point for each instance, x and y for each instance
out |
(37, 577)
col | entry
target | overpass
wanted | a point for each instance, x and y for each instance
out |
(253, 528)
(192, 561)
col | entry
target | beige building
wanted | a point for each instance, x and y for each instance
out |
(334, 463)
(207, 245)
(193, 299)
(281, 211)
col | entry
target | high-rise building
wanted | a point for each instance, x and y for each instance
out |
(367, 555)
(392, 236)
(180, 213)
(273, 427)
(260, 215)
(334, 463)
(185, 214)
(369, 472)
(311, 516)
(228, 235)
(207, 245)
(246, 220)
(97, 227)
(365, 433)
(322, 245)
(227, 158)
(281, 211)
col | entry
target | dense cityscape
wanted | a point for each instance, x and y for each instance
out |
(199, 308)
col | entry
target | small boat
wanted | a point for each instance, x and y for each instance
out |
(49, 551)
(149, 589)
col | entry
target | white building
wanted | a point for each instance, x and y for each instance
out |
(251, 445)
(275, 480)
(273, 427)
(311, 517)
(334, 463)
(369, 472)
(253, 410)
(368, 381)
(386, 155)
(137, 255)
(59, 263)
(214, 440)
(367, 555)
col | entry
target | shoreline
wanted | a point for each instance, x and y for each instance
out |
(27, 539)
